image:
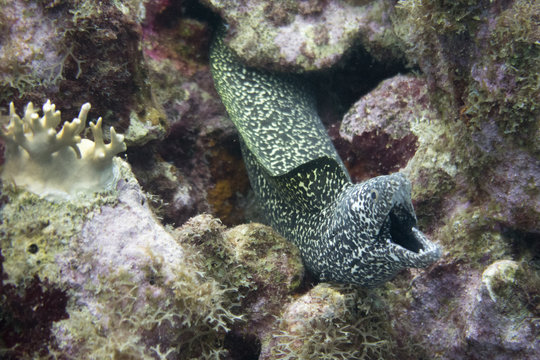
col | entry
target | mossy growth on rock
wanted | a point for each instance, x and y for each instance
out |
(193, 311)
(332, 322)
(506, 81)
(262, 267)
(34, 231)
(84, 49)
(472, 233)
(481, 59)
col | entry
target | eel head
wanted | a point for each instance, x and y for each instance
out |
(379, 235)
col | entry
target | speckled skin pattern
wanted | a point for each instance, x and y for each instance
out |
(350, 233)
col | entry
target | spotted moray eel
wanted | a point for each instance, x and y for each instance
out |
(347, 233)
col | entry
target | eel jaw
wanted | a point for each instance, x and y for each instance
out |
(406, 243)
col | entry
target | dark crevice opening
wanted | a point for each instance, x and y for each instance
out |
(190, 9)
(242, 347)
(337, 89)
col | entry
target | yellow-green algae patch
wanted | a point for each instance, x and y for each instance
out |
(35, 231)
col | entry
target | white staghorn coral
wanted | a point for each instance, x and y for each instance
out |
(58, 164)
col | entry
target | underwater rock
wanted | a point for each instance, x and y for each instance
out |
(132, 289)
(173, 195)
(81, 49)
(330, 322)
(502, 324)
(264, 267)
(197, 166)
(479, 63)
(375, 135)
(275, 270)
(125, 285)
(472, 114)
(146, 293)
(172, 34)
(306, 35)
(474, 173)
(24, 62)
(467, 314)
(512, 181)
(202, 143)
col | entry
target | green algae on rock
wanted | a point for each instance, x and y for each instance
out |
(331, 322)
(132, 289)
(83, 49)
(263, 266)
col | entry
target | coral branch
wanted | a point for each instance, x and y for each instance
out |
(101, 150)
(49, 162)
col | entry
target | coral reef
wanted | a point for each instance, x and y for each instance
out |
(264, 267)
(97, 275)
(307, 35)
(482, 89)
(473, 163)
(466, 313)
(375, 136)
(56, 164)
(129, 287)
(22, 328)
(23, 65)
(197, 167)
(146, 296)
(126, 286)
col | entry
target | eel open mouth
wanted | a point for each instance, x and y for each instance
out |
(398, 228)
(401, 225)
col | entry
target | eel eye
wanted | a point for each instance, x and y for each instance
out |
(374, 195)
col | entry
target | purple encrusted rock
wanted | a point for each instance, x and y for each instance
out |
(375, 135)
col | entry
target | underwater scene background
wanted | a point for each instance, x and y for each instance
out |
(138, 236)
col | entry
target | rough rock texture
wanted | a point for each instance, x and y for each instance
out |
(512, 177)
(485, 93)
(330, 322)
(306, 35)
(465, 314)
(464, 128)
(21, 66)
(82, 49)
(263, 266)
(197, 167)
(130, 287)
(501, 306)
(142, 293)
(124, 285)
(375, 136)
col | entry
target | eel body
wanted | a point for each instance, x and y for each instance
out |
(349, 233)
